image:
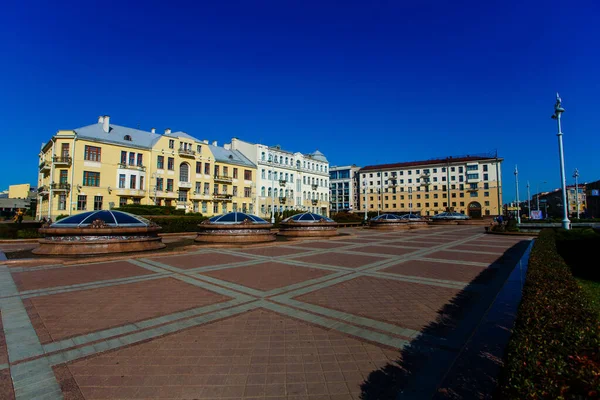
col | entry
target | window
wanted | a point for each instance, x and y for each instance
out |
(473, 194)
(171, 143)
(171, 164)
(486, 185)
(127, 138)
(206, 188)
(247, 175)
(122, 201)
(160, 162)
(131, 158)
(206, 168)
(97, 202)
(63, 176)
(472, 186)
(91, 178)
(204, 207)
(198, 167)
(159, 184)
(64, 150)
(141, 183)
(140, 159)
(198, 148)
(235, 173)
(121, 181)
(472, 176)
(183, 196)
(485, 168)
(225, 171)
(235, 191)
(92, 153)
(62, 201)
(486, 203)
(132, 180)
(262, 191)
(471, 168)
(486, 194)
(435, 204)
(184, 172)
(461, 194)
(81, 202)
(198, 188)
(123, 157)
(169, 185)
(247, 192)
(485, 177)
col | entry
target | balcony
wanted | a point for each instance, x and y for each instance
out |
(132, 166)
(170, 194)
(470, 189)
(62, 186)
(222, 196)
(131, 192)
(185, 185)
(43, 190)
(200, 195)
(187, 153)
(314, 187)
(282, 200)
(45, 166)
(315, 202)
(223, 178)
(62, 160)
(282, 182)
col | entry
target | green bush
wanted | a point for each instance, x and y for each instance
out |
(511, 226)
(20, 231)
(554, 350)
(173, 224)
(139, 209)
(343, 217)
(61, 216)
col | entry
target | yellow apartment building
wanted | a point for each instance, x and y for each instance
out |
(471, 185)
(20, 191)
(103, 166)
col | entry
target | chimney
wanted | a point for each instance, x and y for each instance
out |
(101, 119)
(106, 123)
(168, 131)
(233, 145)
(205, 141)
(153, 130)
(215, 143)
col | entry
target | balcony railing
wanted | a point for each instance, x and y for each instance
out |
(168, 194)
(131, 192)
(282, 182)
(60, 186)
(282, 200)
(223, 178)
(62, 160)
(44, 165)
(43, 190)
(222, 196)
(187, 153)
(314, 187)
(185, 185)
(315, 202)
(138, 167)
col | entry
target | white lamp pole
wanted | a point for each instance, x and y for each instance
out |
(272, 188)
(528, 202)
(576, 175)
(517, 185)
(366, 199)
(558, 110)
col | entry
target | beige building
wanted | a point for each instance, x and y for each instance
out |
(21, 191)
(102, 166)
(470, 185)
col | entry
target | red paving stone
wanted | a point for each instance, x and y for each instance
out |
(434, 270)
(273, 251)
(410, 305)
(320, 245)
(340, 259)
(391, 250)
(31, 280)
(466, 256)
(267, 276)
(189, 261)
(6, 387)
(498, 250)
(252, 355)
(3, 350)
(59, 316)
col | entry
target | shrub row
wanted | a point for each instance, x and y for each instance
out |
(553, 352)
(139, 209)
(20, 231)
(177, 224)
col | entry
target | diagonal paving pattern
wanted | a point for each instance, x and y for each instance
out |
(299, 319)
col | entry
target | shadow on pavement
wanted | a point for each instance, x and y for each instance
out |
(425, 363)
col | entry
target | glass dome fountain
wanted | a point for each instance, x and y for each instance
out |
(307, 224)
(397, 222)
(235, 227)
(99, 232)
(448, 218)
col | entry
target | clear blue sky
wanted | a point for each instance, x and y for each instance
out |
(363, 82)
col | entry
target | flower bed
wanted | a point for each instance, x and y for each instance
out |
(554, 350)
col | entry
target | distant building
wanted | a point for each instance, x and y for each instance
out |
(470, 185)
(551, 202)
(343, 188)
(592, 196)
(21, 191)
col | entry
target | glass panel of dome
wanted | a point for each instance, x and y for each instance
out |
(123, 218)
(105, 216)
(74, 219)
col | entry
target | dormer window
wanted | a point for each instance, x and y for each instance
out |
(127, 137)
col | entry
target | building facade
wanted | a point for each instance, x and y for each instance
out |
(343, 188)
(471, 185)
(551, 202)
(592, 192)
(103, 166)
(286, 180)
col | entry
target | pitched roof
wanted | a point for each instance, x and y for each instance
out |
(117, 133)
(230, 156)
(439, 161)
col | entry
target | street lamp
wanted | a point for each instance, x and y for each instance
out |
(517, 185)
(576, 176)
(558, 110)
(528, 203)
(272, 188)
(366, 199)
(538, 194)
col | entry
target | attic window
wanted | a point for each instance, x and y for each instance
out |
(127, 137)
(230, 157)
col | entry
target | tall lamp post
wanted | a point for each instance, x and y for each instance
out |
(366, 199)
(528, 202)
(538, 194)
(558, 110)
(272, 188)
(517, 185)
(576, 176)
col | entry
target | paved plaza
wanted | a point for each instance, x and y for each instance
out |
(366, 315)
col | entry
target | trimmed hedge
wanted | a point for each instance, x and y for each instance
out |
(554, 350)
(139, 209)
(177, 224)
(24, 230)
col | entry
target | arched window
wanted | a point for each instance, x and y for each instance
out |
(286, 161)
(262, 191)
(326, 196)
(326, 168)
(303, 195)
(127, 137)
(262, 156)
(184, 172)
(280, 159)
(286, 176)
(269, 175)
(262, 173)
(298, 164)
(304, 164)
(287, 192)
(275, 175)
(269, 192)
(292, 192)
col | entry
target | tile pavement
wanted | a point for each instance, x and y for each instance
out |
(307, 319)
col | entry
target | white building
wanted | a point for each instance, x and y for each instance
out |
(343, 188)
(286, 180)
